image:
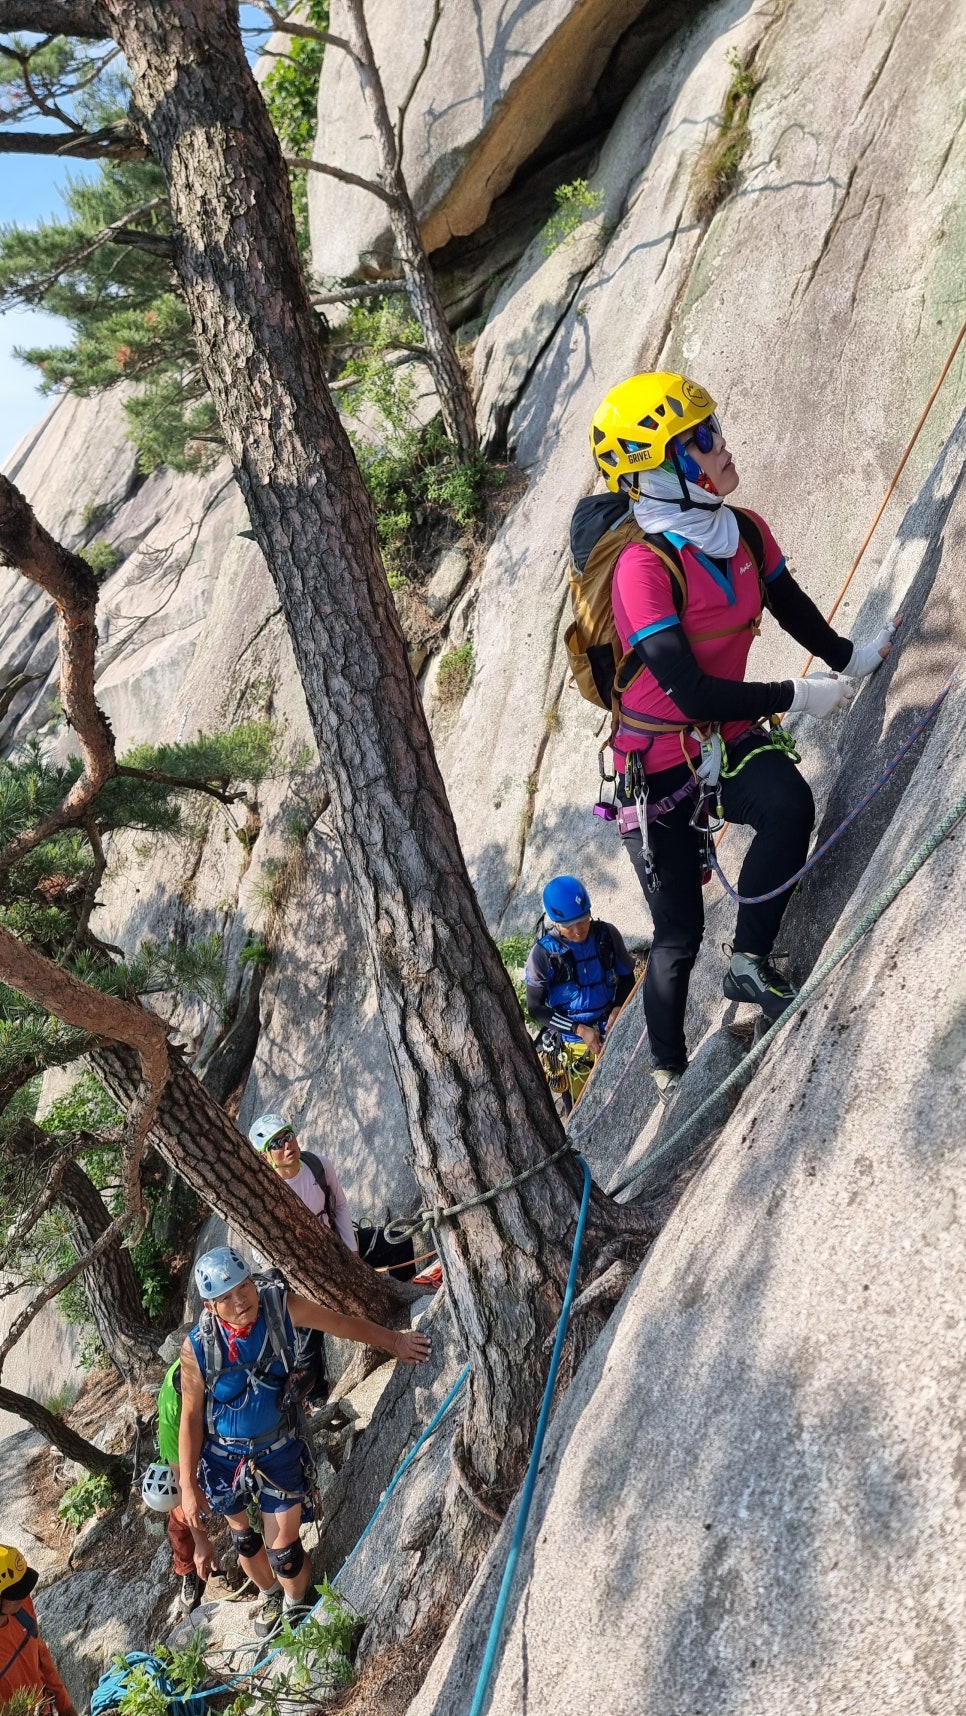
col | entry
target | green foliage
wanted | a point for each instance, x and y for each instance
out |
(416, 471)
(195, 970)
(87, 1497)
(455, 673)
(291, 92)
(514, 950)
(373, 331)
(60, 1401)
(102, 558)
(717, 166)
(574, 202)
(86, 1107)
(250, 752)
(24, 1701)
(256, 951)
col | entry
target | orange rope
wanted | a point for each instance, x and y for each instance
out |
(889, 491)
(384, 1268)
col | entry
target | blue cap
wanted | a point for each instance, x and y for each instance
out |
(565, 900)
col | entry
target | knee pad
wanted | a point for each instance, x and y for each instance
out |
(247, 1542)
(287, 1563)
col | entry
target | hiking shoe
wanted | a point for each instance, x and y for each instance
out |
(296, 1612)
(270, 1614)
(667, 1080)
(192, 1591)
(753, 978)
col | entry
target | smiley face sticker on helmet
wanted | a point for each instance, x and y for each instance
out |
(696, 395)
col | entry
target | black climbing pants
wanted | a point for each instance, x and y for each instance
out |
(772, 798)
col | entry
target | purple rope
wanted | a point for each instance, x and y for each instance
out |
(854, 813)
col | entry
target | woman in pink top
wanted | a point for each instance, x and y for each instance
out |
(656, 438)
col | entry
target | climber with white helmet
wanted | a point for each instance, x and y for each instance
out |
(237, 1434)
(578, 976)
(192, 1551)
(310, 1176)
(688, 589)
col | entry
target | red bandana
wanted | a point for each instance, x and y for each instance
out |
(234, 1336)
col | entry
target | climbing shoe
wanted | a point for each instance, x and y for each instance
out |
(192, 1591)
(270, 1613)
(752, 977)
(667, 1080)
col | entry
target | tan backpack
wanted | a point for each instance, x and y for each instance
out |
(601, 528)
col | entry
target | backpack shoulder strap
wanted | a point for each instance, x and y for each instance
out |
(753, 539)
(667, 551)
(605, 946)
(273, 1299)
(30, 1631)
(317, 1170)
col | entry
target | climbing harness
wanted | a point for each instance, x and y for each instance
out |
(635, 786)
(567, 1066)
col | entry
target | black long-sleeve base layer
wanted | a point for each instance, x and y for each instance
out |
(704, 697)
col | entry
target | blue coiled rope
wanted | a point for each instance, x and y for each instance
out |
(526, 1494)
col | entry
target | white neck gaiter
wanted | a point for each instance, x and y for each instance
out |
(713, 529)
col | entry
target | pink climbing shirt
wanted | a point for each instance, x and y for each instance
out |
(718, 622)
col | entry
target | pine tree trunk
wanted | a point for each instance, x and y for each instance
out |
(110, 1283)
(71, 1445)
(476, 1100)
(196, 1137)
(459, 417)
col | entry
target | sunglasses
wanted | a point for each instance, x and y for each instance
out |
(280, 1140)
(703, 435)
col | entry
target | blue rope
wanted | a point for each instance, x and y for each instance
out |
(213, 1691)
(526, 1495)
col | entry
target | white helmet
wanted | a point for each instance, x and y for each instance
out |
(267, 1127)
(158, 1488)
(218, 1271)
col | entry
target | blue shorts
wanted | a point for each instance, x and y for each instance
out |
(284, 1478)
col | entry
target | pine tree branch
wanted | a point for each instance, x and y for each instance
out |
(308, 166)
(70, 583)
(83, 18)
(112, 143)
(188, 784)
(365, 289)
(156, 243)
(407, 98)
(84, 1008)
(288, 26)
(113, 234)
(108, 1238)
(29, 1218)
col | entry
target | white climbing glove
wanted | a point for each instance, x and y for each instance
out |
(867, 658)
(821, 695)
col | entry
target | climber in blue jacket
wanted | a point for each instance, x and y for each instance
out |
(578, 976)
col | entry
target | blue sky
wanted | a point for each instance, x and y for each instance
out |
(31, 187)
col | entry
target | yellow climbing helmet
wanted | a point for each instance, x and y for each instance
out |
(13, 1568)
(632, 426)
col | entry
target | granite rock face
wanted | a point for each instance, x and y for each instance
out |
(496, 83)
